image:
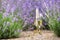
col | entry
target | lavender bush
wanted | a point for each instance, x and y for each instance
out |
(53, 16)
(10, 26)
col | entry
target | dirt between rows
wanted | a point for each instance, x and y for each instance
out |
(31, 35)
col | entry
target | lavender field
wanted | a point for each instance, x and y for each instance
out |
(30, 19)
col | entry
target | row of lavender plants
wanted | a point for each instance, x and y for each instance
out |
(15, 12)
(10, 26)
(10, 22)
(52, 12)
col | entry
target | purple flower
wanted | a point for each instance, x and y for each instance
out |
(5, 14)
(14, 19)
(13, 8)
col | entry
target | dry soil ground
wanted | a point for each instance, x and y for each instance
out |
(30, 35)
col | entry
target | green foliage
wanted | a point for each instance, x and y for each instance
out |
(55, 26)
(9, 29)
